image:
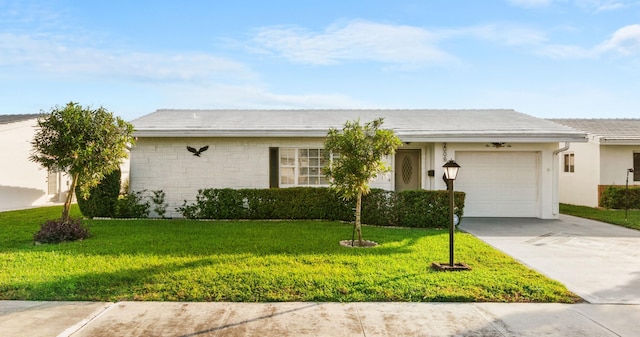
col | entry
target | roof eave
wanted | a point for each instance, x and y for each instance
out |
(174, 133)
(469, 137)
(619, 141)
(495, 136)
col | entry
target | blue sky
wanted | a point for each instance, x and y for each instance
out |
(546, 58)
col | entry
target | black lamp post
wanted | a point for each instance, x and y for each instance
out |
(450, 173)
(626, 195)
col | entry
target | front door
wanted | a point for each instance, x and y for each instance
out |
(407, 171)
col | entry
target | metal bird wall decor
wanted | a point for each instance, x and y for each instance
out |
(197, 152)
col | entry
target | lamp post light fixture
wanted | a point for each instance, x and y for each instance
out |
(451, 173)
(451, 169)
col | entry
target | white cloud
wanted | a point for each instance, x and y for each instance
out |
(558, 51)
(356, 40)
(407, 47)
(505, 34)
(586, 5)
(60, 56)
(32, 15)
(602, 5)
(530, 3)
(625, 42)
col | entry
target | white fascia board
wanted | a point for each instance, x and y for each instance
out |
(405, 137)
(216, 133)
(619, 141)
(498, 137)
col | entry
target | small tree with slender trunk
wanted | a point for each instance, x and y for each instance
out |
(358, 151)
(85, 143)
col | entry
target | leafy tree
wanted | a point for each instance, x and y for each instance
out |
(83, 142)
(358, 151)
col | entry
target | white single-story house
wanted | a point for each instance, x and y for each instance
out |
(509, 160)
(23, 183)
(586, 169)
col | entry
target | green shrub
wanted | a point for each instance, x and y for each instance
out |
(379, 208)
(102, 198)
(285, 203)
(615, 197)
(55, 231)
(428, 209)
(382, 208)
(215, 204)
(159, 203)
(132, 205)
(311, 203)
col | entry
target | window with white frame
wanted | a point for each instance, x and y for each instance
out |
(569, 162)
(302, 167)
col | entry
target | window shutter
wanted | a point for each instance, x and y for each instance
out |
(274, 165)
(636, 166)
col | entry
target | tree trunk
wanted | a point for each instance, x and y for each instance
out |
(358, 224)
(67, 202)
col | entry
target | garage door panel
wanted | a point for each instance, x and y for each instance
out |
(499, 183)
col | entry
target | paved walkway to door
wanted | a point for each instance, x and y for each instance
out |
(597, 261)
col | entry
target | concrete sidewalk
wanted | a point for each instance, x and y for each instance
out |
(597, 261)
(84, 319)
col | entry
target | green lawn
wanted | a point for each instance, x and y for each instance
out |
(255, 261)
(612, 216)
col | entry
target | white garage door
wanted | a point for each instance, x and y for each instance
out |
(499, 184)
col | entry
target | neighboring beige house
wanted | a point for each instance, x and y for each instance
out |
(509, 160)
(586, 169)
(23, 183)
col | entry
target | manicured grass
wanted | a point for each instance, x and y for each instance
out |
(255, 261)
(612, 216)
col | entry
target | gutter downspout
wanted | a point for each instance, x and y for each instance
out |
(555, 203)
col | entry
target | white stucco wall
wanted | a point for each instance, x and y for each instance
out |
(581, 186)
(595, 164)
(23, 184)
(614, 162)
(165, 164)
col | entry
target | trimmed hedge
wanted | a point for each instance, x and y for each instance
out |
(418, 208)
(415, 208)
(285, 203)
(102, 198)
(615, 197)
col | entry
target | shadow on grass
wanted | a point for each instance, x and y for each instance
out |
(158, 282)
(162, 283)
(119, 285)
(196, 238)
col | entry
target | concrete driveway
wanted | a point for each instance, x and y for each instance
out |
(597, 261)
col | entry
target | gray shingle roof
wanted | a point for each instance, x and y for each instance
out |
(409, 125)
(612, 130)
(6, 119)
